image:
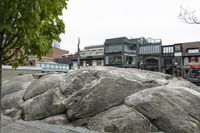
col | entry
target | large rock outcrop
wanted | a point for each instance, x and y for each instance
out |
(171, 109)
(108, 92)
(16, 84)
(45, 83)
(107, 99)
(121, 119)
(14, 89)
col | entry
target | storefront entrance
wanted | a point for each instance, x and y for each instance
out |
(151, 64)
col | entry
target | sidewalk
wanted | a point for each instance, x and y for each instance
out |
(19, 126)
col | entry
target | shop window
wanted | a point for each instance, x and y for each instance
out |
(130, 60)
(195, 73)
(106, 60)
(187, 73)
(89, 63)
(151, 62)
(168, 62)
(99, 62)
(114, 60)
(81, 63)
(186, 61)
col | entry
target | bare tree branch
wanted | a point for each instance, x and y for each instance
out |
(189, 17)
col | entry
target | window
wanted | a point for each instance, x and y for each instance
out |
(186, 72)
(186, 61)
(172, 49)
(81, 63)
(151, 62)
(106, 60)
(195, 73)
(193, 51)
(89, 63)
(99, 62)
(150, 49)
(47, 66)
(130, 48)
(52, 66)
(113, 48)
(38, 65)
(115, 60)
(131, 60)
(177, 48)
(168, 62)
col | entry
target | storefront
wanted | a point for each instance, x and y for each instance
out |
(150, 57)
(168, 59)
(192, 69)
(121, 52)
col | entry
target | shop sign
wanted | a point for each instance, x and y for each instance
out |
(178, 54)
(195, 65)
(193, 51)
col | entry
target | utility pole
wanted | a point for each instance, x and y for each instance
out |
(78, 54)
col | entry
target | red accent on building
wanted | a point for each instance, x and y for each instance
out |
(195, 66)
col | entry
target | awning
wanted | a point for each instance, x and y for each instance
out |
(195, 66)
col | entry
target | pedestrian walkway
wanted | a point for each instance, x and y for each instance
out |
(20, 126)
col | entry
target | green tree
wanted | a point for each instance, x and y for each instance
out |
(28, 27)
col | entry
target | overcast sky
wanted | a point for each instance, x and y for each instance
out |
(96, 20)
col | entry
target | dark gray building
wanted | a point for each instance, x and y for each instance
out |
(150, 55)
(121, 52)
(168, 59)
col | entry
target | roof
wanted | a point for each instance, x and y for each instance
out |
(115, 40)
(58, 53)
(23, 68)
(93, 46)
(64, 60)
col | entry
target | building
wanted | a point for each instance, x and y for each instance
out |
(168, 59)
(91, 56)
(121, 52)
(56, 53)
(191, 61)
(48, 64)
(64, 60)
(52, 67)
(55, 44)
(150, 56)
